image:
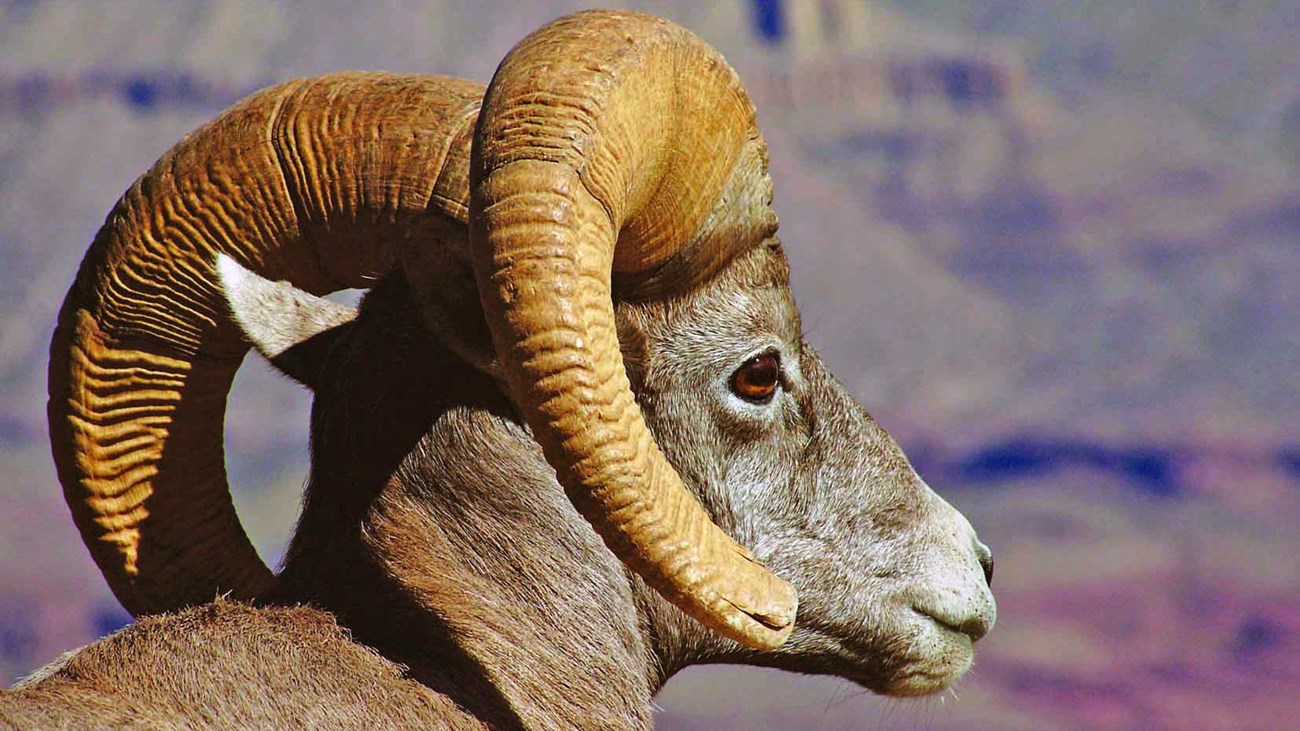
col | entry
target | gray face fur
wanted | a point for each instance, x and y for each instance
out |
(892, 580)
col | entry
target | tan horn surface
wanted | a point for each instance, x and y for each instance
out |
(318, 182)
(609, 143)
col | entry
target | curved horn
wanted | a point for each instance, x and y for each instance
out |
(317, 182)
(617, 142)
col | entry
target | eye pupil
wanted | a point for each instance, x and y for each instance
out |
(758, 378)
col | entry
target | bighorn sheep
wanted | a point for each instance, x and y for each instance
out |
(587, 260)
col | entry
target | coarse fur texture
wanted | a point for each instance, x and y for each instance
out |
(226, 665)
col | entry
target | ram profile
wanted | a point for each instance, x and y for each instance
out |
(565, 448)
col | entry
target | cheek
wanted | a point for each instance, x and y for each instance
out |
(756, 478)
(841, 594)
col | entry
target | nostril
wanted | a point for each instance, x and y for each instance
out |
(986, 561)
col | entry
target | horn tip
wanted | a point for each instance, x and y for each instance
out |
(763, 622)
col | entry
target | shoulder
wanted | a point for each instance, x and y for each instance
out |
(225, 665)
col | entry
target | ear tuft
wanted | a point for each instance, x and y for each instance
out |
(293, 329)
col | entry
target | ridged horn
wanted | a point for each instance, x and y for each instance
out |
(618, 143)
(318, 182)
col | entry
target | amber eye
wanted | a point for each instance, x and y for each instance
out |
(758, 378)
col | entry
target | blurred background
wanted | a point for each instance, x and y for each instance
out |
(1053, 246)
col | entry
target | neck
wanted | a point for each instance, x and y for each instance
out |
(437, 534)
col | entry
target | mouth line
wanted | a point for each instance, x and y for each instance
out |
(946, 625)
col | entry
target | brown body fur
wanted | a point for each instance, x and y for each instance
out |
(224, 666)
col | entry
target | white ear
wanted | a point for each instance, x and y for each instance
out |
(279, 318)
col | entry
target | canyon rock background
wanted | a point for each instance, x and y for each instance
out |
(1053, 247)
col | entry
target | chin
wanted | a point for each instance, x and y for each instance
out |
(938, 656)
(908, 655)
(929, 675)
